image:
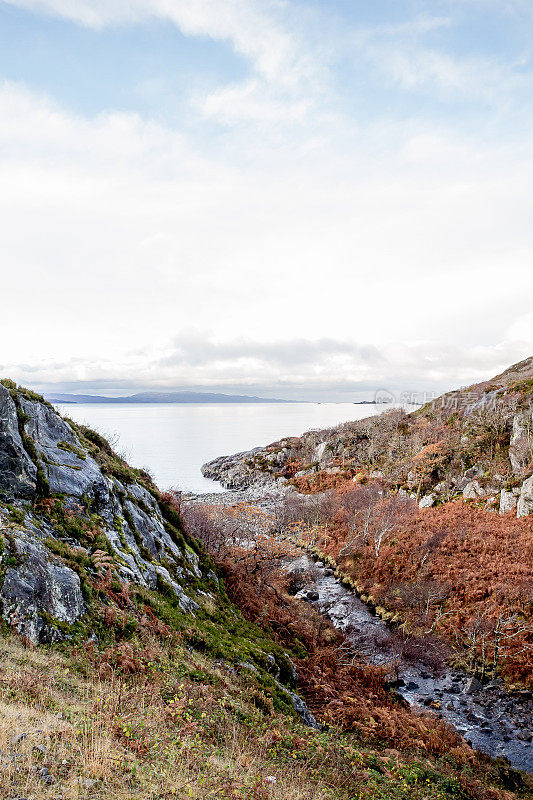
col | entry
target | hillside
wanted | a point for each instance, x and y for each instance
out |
(127, 672)
(426, 516)
(83, 532)
(474, 443)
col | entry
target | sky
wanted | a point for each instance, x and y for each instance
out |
(306, 199)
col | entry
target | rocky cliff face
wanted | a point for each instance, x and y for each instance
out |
(475, 443)
(70, 511)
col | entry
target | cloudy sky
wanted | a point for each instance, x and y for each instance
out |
(295, 198)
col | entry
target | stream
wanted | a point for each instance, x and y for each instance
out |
(488, 717)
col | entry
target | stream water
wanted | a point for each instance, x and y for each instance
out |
(488, 717)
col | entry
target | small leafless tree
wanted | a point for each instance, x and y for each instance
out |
(200, 524)
(375, 518)
(424, 596)
(489, 639)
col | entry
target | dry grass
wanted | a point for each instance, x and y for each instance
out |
(188, 730)
(115, 739)
(46, 735)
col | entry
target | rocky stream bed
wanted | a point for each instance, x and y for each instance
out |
(490, 718)
(487, 716)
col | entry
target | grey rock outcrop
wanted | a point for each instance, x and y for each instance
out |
(40, 594)
(509, 500)
(521, 444)
(320, 453)
(17, 470)
(68, 471)
(473, 685)
(525, 501)
(39, 587)
(300, 707)
(473, 491)
(256, 467)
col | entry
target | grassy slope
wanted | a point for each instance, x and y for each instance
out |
(185, 727)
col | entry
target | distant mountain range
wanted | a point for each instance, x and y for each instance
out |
(162, 397)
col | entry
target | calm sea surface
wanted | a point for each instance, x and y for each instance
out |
(174, 440)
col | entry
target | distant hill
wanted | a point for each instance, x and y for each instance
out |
(163, 397)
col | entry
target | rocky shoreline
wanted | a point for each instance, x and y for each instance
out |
(267, 498)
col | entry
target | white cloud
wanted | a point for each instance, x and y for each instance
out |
(118, 232)
(405, 56)
(254, 27)
(255, 101)
(294, 368)
(522, 328)
(422, 67)
(416, 26)
(297, 233)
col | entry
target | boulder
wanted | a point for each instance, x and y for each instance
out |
(468, 477)
(525, 501)
(473, 491)
(473, 685)
(39, 592)
(427, 501)
(320, 452)
(412, 480)
(508, 500)
(522, 432)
